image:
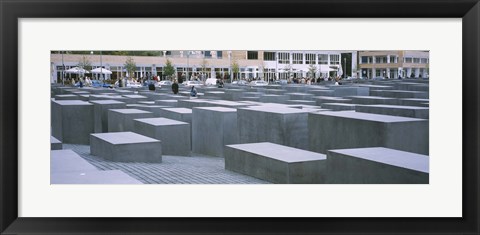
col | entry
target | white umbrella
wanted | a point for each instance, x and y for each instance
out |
(101, 70)
(76, 70)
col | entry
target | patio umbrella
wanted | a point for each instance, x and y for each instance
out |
(76, 70)
(101, 70)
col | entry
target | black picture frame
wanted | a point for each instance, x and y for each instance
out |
(12, 10)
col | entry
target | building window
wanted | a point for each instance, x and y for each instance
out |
(408, 59)
(366, 59)
(284, 58)
(322, 59)
(269, 56)
(416, 60)
(393, 59)
(381, 59)
(309, 58)
(297, 58)
(334, 59)
(219, 54)
(207, 54)
(252, 55)
(424, 61)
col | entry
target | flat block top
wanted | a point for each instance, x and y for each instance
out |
(129, 111)
(135, 96)
(395, 106)
(403, 91)
(124, 138)
(71, 102)
(368, 116)
(179, 110)
(275, 109)
(160, 121)
(374, 86)
(146, 102)
(123, 91)
(67, 95)
(227, 103)
(168, 101)
(331, 98)
(273, 95)
(279, 152)
(195, 101)
(93, 177)
(340, 104)
(106, 102)
(217, 109)
(372, 97)
(214, 92)
(299, 93)
(54, 140)
(67, 161)
(415, 99)
(412, 161)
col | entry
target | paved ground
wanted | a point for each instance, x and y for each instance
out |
(172, 170)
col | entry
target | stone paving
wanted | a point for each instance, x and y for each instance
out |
(197, 169)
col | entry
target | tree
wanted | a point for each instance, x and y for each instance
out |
(235, 69)
(130, 66)
(204, 65)
(169, 70)
(312, 69)
(84, 63)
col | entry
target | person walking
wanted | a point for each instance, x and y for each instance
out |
(175, 87)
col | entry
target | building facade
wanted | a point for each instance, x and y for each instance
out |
(394, 64)
(266, 65)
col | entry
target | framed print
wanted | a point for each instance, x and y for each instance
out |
(131, 163)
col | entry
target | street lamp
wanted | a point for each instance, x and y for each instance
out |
(345, 67)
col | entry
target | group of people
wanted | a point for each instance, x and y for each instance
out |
(193, 90)
(82, 82)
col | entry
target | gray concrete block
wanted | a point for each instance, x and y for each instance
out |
(338, 106)
(175, 135)
(400, 94)
(72, 121)
(414, 102)
(226, 104)
(376, 166)
(275, 124)
(155, 109)
(300, 96)
(55, 144)
(93, 177)
(125, 147)
(170, 103)
(67, 97)
(189, 104)
(68, 161)
(233, 94)
(343, 91)
(319, 100)
(212, 129)
(305, 102)
(122, 119)
(134, 99)
(373, 100)
(349, 129)
(282, 99)
(275, 91)
(179, 114)
(100, 113)
(395, 110)
(276, 163)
